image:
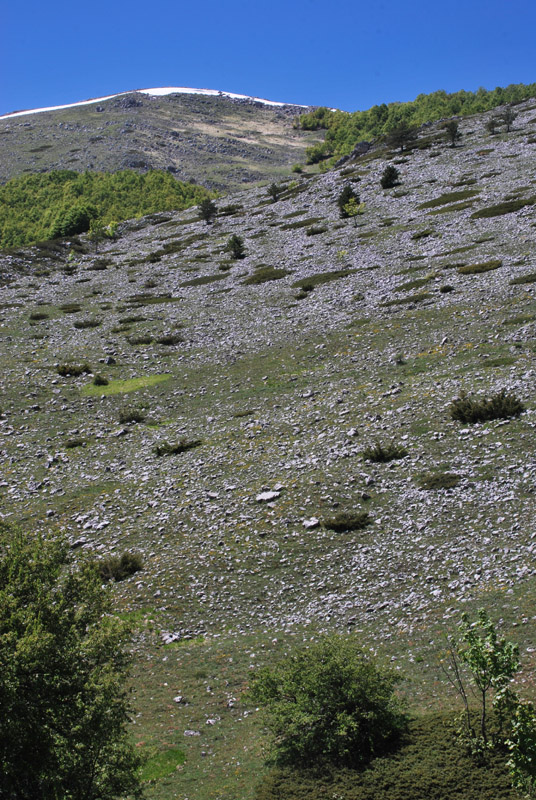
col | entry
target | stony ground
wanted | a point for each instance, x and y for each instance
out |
(284, 388)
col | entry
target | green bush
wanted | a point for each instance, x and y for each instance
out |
(346, 521)
(167, 449)
(130, 415)
(117, 569)
(438, 480)
(499, 406)
(476, 269)
(72, 370)
(100, 380)
(330, 702)
(346, 194)
(379, 453)
(235, 246)
(390, 177)
(529, 277)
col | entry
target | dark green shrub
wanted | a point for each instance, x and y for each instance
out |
(438, 480)
(141, 339)
(167, 449)
(499, 406)
(390, 177)
(76, 219)
(207, 210)
(346, 521)
(82, 324)
(446, 288)
(422, 234)
(77, 441)
(315, 230)
(310, 283)
(379, 453)
(508, 207)
(347, 193)
(38, 315)
(274, 191)
(235, 246)
(117, 569)
(72, 370)
(451, 132)
(71, 308)
(170, 339)
(100, 380)
(330, 703)
(449, 197)
(264, 274)
(131, 415)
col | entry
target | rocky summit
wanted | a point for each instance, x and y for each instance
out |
(224, 417)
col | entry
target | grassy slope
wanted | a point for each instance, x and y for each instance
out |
(287, 392)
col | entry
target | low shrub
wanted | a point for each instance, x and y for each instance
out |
(203, 280)
(308, 284)
(449, 197)
(38, 315)
(485, 266)
(346, 521)
(77, 441)
(169, 339)
(118, 568)
(167, 449)
(82, 324)
(72, 370)
(418, 297)
(422, 234)
(379, 453)
(71, 308)
(100, 380)
(508, 207)
(131, 415)
(530, 277)
(499, 406)
(315, 230)
(264, 274)
(438, 480)
(144, 338)
(389, 177)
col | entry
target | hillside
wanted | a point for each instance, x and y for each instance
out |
(219, 141)
(281, 368)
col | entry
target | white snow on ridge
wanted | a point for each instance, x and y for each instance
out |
(153, 93)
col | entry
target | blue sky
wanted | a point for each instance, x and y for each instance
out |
(340, 54)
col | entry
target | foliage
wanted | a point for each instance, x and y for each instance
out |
(167, 449)
(507, 207)
(429, 765)
(235, 246)
(64, 203)
(264, 274)
(484, 266)
(492, 662)
(130, 415)
(344, 131)
(452, 132)
(100, 380)
(347, 521)
(72, 370)
(400, 135)
(449, 197)
(522, 747)
(499, 406)
(438, 480)
(330, 702)
(389, 177)
(274, 191)
(310, 283)
(63, 728)
(529, 277)
(353, 208)
(207, 209)
(347, 194)
(507, 118)
(379, 453)
(118, 568)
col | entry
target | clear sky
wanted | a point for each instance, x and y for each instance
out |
(341, 54)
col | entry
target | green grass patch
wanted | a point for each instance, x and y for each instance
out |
(455, 207)
(265, 274)
(418, 297)
(203, 280)
(162, 764)
(508, 207)
(449, 197)
(124, 386)
(415, 284)
(530, 277)
(484, 266)
(302, 223)
(310, 283)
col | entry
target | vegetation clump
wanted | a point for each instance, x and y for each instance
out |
(115, 568)
(476, 269)
(346, 195)
(380, 454)
(72, 370)
(390, 177)
(131, 415)
(330, 703)
(235, 247)
(529, 277)
(439, 480)
(168, 449)
(100, 380)
(265, 274)
(501, 405)
(346, 521)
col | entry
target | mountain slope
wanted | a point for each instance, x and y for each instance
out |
(282, 380)
(221, 141)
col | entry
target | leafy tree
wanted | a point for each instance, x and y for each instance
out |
(507, 118)
(348, 193)
(97, 233)
(492, 662)
(354, 209)
(73, 220)
(491, 125)
(207, 210)
(274, 191)
(63, 727)
(451, 132)
(400, 136)
(330, 702)
(389, 177)
(235, 246)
